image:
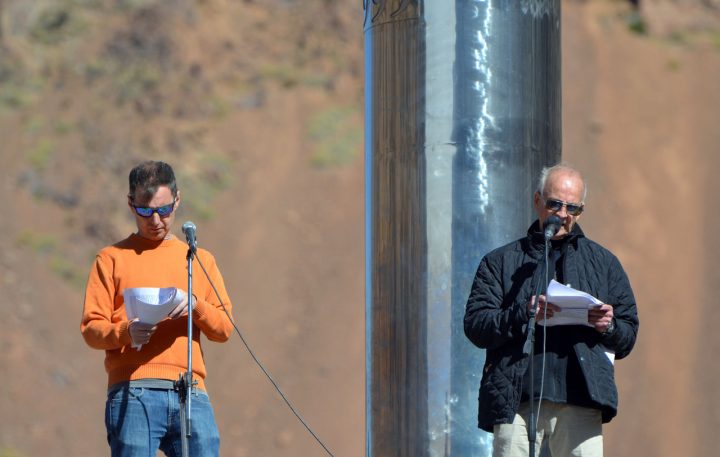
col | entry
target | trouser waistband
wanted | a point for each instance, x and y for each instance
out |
(163, 384)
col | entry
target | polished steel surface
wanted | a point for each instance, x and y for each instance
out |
(462, 111)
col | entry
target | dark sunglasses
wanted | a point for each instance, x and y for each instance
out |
(163, 211)
(556, 205)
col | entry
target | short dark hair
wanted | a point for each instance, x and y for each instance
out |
(147, 176)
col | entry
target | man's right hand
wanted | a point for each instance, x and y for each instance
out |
(543, 309)
(140, 332)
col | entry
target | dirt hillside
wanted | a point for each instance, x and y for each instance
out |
(258, 105)
(639, 116)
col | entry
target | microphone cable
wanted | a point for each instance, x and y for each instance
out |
(259, 364)
(544, 344)
(545, 327)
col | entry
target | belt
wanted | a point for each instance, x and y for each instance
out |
(150, 383)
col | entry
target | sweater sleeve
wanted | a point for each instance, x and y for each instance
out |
(489, 324)
(208, 313)
(627, 323)
(100, 326)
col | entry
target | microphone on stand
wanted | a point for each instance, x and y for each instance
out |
(184, 384)
(189, 230)
(551, 227)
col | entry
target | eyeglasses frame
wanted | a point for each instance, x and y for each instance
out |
(155, 210)
(563, 204)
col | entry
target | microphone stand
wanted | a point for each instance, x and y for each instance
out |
(185, 384)
(530, 350)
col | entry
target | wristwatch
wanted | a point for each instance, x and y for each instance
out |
(610, 328)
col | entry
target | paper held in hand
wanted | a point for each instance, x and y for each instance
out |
(151, 304)
(574, 304)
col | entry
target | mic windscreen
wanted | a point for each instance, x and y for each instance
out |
(552, 225)
(188, 226)
(188, 229)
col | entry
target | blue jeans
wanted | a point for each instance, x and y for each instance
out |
(141, 420)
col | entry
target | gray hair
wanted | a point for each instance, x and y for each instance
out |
(547, 171)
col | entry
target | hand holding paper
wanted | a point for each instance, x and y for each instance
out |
(601, 317)
(181, 305)
(140, 333)
(543, 308)
(149, 305)
(573, 305)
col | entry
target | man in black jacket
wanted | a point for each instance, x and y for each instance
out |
(574, 382)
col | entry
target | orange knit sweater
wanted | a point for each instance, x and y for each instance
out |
(138, 262)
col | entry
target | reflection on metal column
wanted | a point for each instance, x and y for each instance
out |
(462, 111)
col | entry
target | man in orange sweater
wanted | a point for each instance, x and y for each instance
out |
(142, 413)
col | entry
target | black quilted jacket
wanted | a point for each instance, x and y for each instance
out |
(496, 319)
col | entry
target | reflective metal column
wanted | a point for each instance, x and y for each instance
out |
(462, 111)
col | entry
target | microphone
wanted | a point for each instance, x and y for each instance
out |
(189, 229)
(551, 227)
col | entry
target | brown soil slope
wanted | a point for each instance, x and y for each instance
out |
(639, 117)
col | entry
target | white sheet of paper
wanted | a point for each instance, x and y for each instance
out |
(610, 355)
(574, 305)
(150, 304)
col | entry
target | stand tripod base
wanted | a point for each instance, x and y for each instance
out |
(184, 386)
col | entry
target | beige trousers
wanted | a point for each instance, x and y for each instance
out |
(569, 431)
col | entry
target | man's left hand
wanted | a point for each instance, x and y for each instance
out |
(182, 308)
(600, 317)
